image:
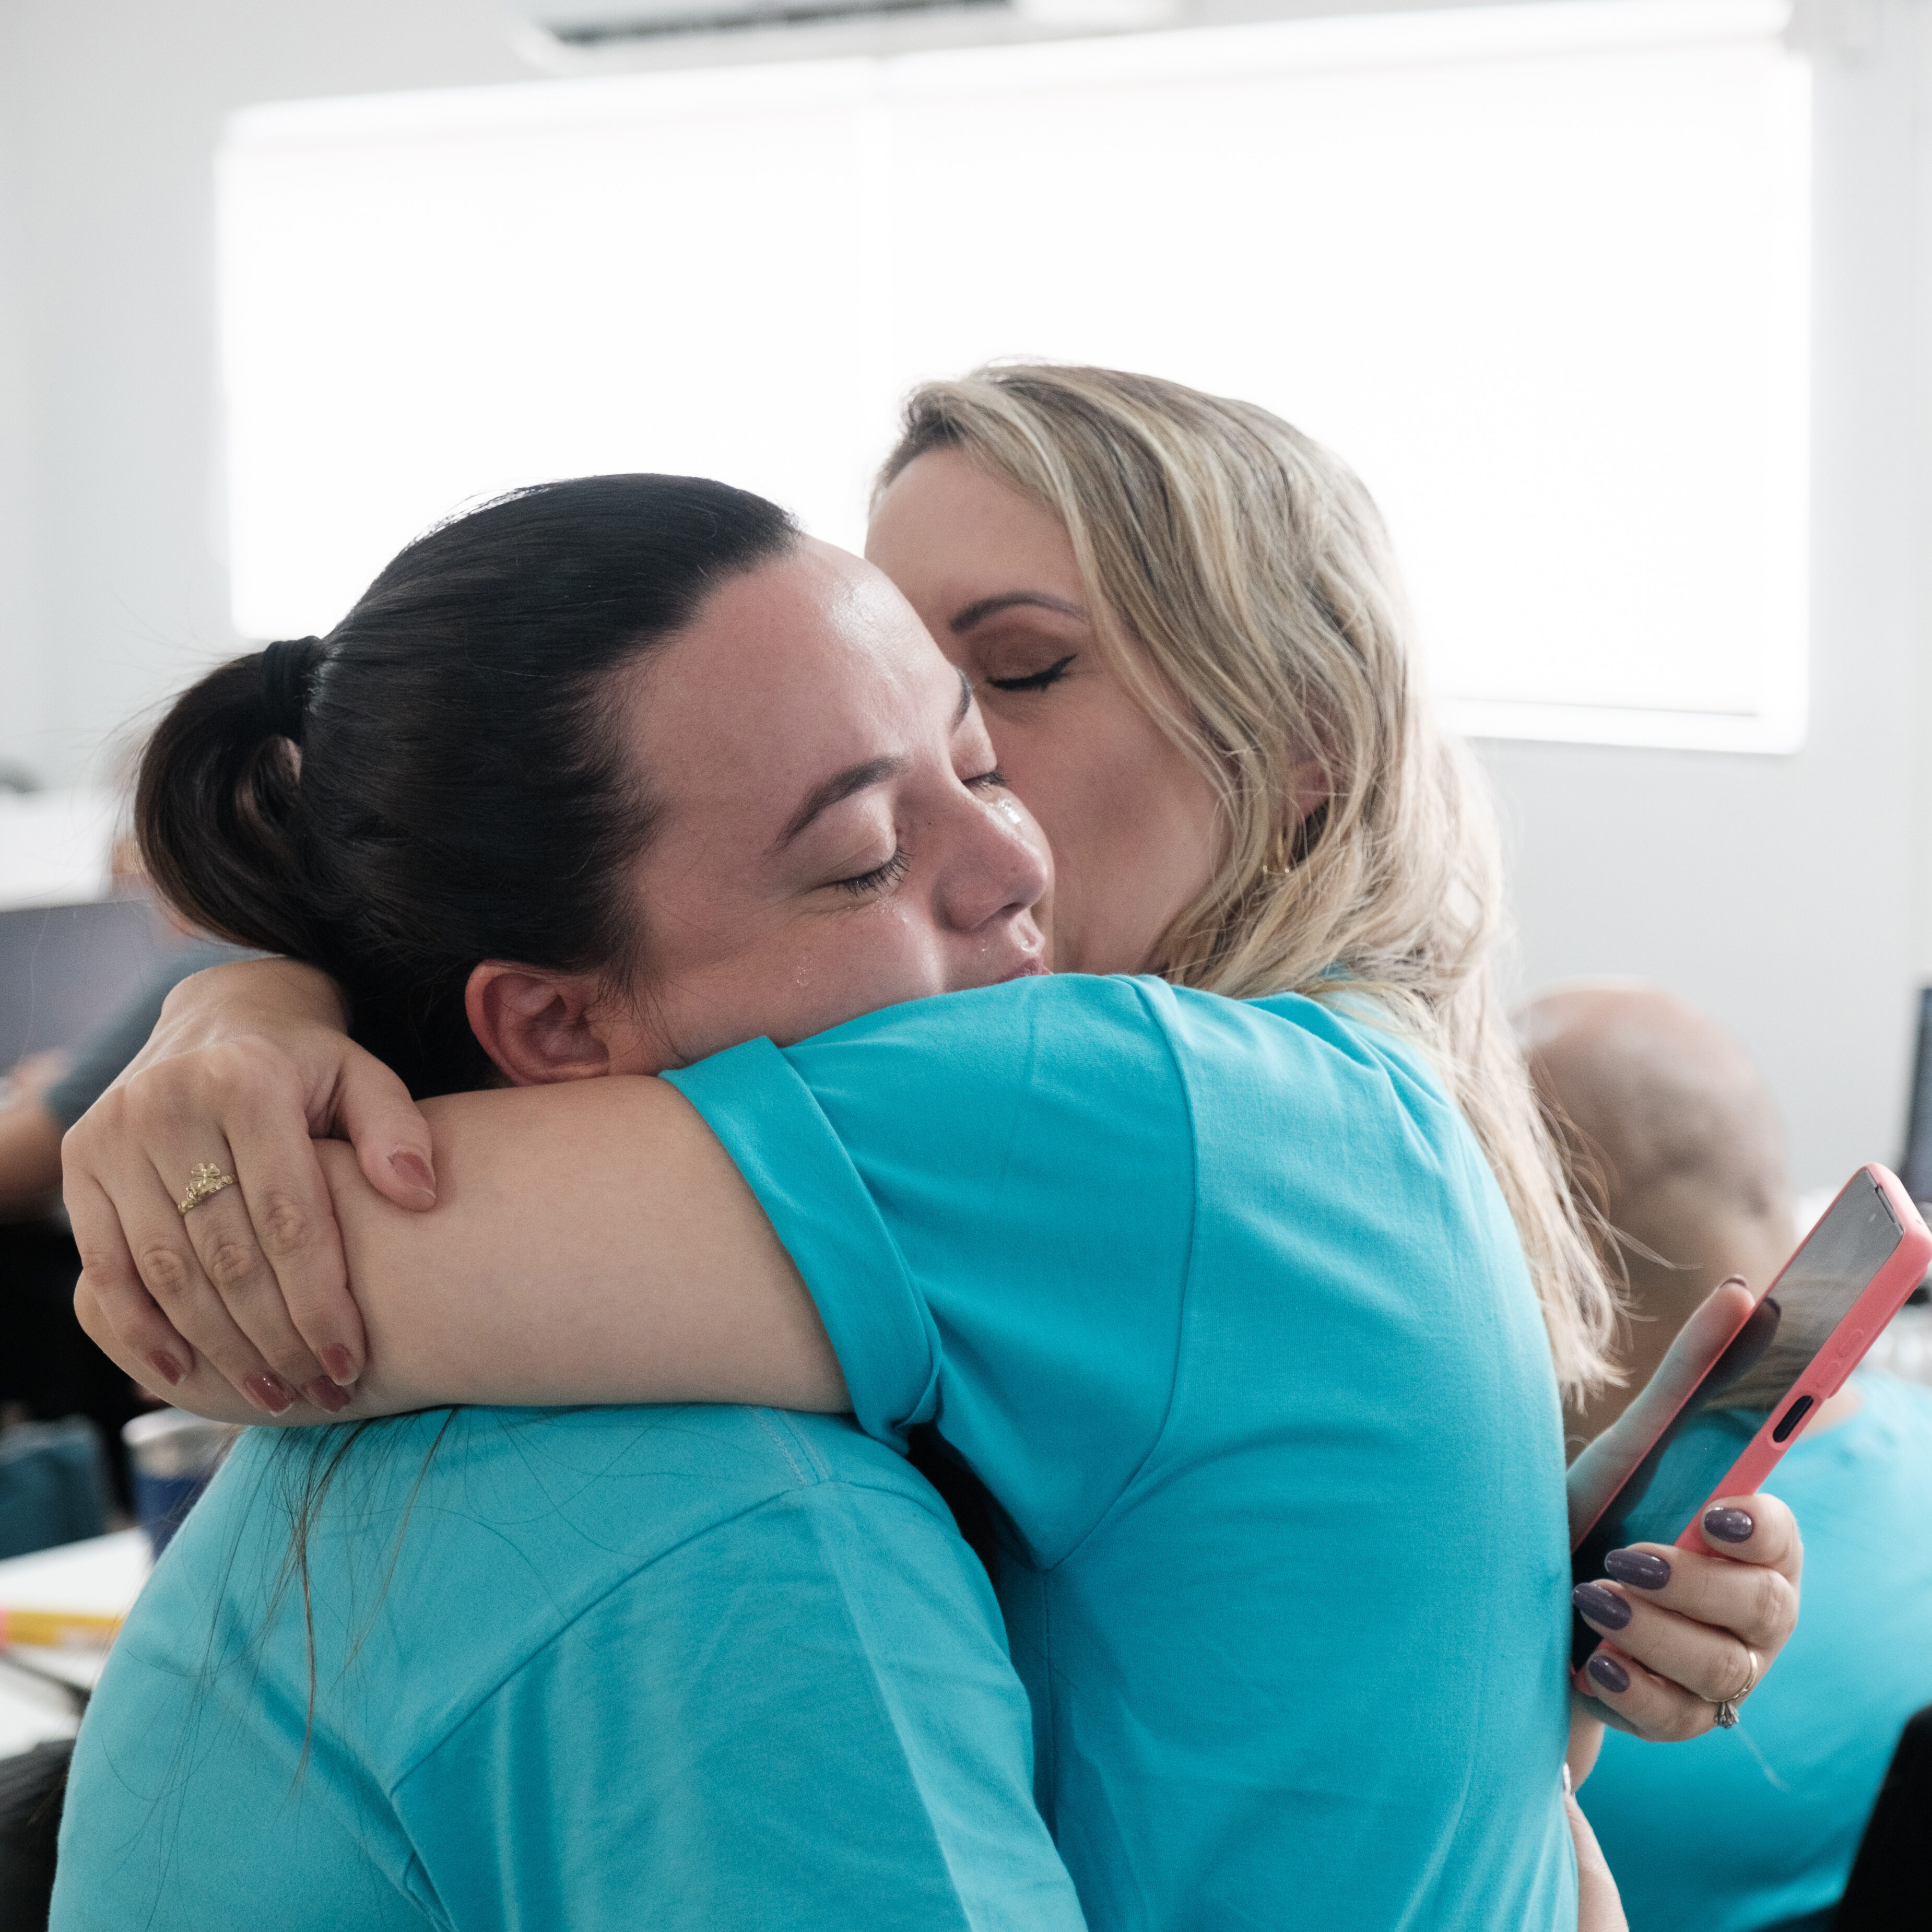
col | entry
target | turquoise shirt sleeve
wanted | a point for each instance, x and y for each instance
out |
(665, 1761)
(990, 1198)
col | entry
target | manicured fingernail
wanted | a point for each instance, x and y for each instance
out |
(1608, 1671)
(335, 1359)
(1729, 1525)
(1601, 1605)
(1639, 1566)
(324, 1394)
(165, 1366)
(415, 1170)
(268, 1392)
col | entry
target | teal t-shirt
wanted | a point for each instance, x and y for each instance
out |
(1222, 1302)
(694, 1669)
(1751, 1828)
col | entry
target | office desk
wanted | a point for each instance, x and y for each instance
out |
(42, 1691)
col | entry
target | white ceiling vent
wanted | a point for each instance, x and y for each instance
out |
(641, 20)
(576, 36)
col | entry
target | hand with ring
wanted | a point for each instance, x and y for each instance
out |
(203, 1184)
(199, 1201)
(1687, 1634)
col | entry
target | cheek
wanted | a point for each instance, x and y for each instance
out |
(1090, 776)
(820, 975)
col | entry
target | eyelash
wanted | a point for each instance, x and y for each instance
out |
(1040, 679)
(880, 878)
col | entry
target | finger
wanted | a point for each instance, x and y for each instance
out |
(170, 1272)
(374, 1113)
(224, 1236)
(1635, 1700)
(119, 1314)
(1711, 1664)
(1599, 1471)
(292, 1216)
(1755, 1529)
(1599, 1907)
(1756, 1602)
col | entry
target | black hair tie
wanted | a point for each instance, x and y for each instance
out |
(288, 671)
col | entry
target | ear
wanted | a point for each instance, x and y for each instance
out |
(538, 1028)
(1308, 786)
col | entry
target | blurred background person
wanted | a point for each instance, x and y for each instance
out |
(1673, 1137)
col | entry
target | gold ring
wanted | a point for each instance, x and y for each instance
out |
(204, 1183)
(1727, 1707)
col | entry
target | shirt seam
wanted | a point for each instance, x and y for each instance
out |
(1142, 992)
(799, 1454)
(462, 1717)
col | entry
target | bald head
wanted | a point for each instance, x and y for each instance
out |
(1671, 1132)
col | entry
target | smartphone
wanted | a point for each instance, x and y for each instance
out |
(1791, 1353)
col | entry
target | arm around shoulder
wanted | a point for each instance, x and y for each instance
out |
(592, 1243)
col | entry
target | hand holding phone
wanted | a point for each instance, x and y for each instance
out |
(1789, 1354)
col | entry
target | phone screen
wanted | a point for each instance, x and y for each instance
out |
(1833, 1267)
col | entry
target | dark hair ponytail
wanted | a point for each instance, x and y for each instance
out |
(439, 781)
(216, 802)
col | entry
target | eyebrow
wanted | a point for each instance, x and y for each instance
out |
(841, 785)
(987, 607)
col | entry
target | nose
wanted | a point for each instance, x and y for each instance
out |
(1002, 868)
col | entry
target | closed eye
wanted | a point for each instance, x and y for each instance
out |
(880, 878)
(1038, 680)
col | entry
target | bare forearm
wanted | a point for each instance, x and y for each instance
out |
(591, 1243)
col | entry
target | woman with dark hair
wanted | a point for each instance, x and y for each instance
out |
(708, 1668)
(1221, 1297)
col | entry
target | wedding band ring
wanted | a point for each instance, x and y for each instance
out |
(204, 1183)
(1727, 1707)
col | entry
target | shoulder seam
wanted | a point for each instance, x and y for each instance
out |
(630, 1576)
(1139, 985)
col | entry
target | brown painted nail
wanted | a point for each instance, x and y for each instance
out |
(335, 1359)
(415, 1170)
(165, 1366)
(268, 1392)
(324, 1394)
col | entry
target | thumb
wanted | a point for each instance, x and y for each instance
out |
(1599, 1907)
(373, 1111)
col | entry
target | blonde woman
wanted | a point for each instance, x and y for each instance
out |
(1216, 1290)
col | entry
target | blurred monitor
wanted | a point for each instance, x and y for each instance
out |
(66, 970)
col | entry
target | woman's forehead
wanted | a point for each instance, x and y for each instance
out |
(810, 664)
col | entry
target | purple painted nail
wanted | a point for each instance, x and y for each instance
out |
(1608, 1671)
(1639, 1566)
(1601, 1605)
(1729, 1525)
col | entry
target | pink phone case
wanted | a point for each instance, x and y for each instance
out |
(1843, 1350)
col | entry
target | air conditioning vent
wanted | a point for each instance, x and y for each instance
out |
(682, 20)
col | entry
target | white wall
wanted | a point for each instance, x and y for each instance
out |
(22, 708)
(1791, 896)
(114, 109)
